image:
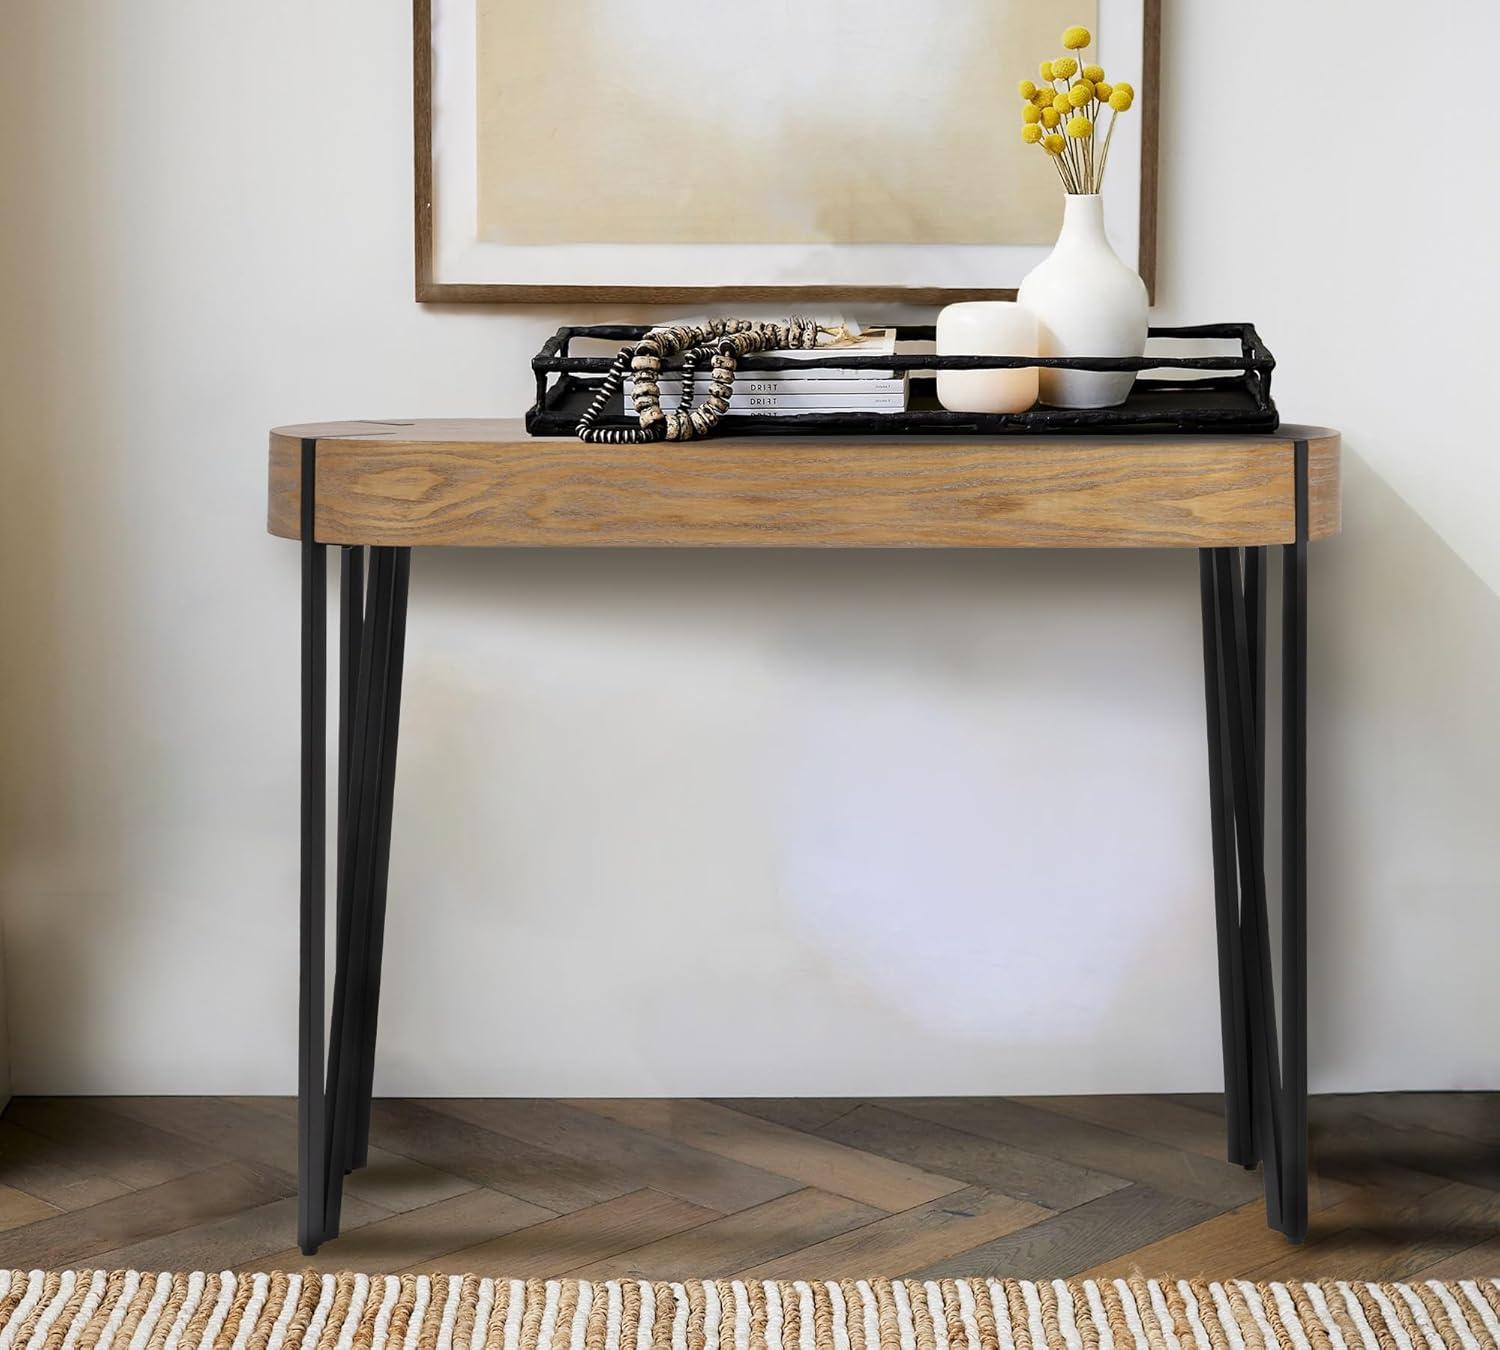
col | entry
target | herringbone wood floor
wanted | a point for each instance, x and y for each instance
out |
(1406, 1185)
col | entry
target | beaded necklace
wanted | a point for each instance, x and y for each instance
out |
(720, 343)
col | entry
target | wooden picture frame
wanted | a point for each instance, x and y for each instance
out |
(432, 288)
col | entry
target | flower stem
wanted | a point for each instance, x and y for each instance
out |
(1108, 137)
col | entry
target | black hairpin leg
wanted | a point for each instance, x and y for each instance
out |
(1234, 1034)
(1265, 1072)
(369, 857)
(351, 631)
(334, 1114)
(311, 1123)
(1294, 861)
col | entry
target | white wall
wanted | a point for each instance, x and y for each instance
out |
(713, 823)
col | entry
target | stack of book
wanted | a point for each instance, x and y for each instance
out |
(786, 393)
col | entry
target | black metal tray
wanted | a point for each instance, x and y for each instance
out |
(1238, 399)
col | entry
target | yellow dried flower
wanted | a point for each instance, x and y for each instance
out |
(1027, 89)
(1120, 100)
(1031, 134)
(1080, 128)
(1126, 86)
(1094, 73)
(1031, 113)
(1076, 37)
(1046, 70)
(1050, 117)
(1044, 96)
(1053, 144)
(1063, 67)
(1102, 91)
(1060, 102)
(1081, 93)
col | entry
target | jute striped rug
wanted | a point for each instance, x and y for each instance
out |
(134, 1310)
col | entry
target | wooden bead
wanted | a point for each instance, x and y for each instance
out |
(712, 347)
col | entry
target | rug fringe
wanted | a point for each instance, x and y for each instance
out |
(136, 1310)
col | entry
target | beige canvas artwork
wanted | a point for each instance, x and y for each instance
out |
(778, 122)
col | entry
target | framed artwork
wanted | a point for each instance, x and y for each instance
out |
(790, 150)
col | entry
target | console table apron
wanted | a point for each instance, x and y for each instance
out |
(377, 489)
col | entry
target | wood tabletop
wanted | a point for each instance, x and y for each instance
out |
(486, 483)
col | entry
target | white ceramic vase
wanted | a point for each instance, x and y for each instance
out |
(1087, 303)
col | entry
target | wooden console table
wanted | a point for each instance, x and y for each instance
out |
(378, 489)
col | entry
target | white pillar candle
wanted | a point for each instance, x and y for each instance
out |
(987, 328)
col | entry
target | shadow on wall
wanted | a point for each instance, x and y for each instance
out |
(1405, 851)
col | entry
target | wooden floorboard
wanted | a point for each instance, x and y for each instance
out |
(752, 1237)
(693, 1174)
(1103, 1149)
(870, 1178)
(104, 1142)
(1404, 1186)
(256, 1132)
(1044, 1181)
(1063, 1244)
(245, 1238)
(906, 1241)
(582, 1238)
(1174, 1124)
(18, 1209)
(80, 1235)
(47, 1170)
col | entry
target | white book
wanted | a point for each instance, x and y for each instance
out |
(822, 373)
(788, 405)
(871, 342)
(803, 384)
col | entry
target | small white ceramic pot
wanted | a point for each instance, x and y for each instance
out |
(1087, 303)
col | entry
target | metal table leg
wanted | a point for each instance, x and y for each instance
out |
(311, 1125)
(1265, 1070)
(1294, 861)
(1234, 1035)
(364, 866)
(334, 1113)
